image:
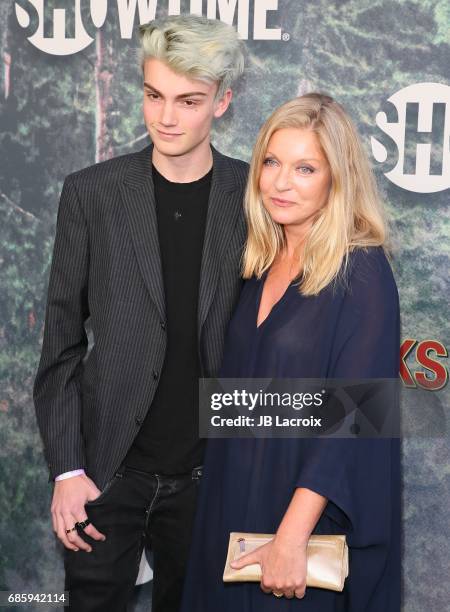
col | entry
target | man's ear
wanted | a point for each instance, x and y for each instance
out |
(222, 104)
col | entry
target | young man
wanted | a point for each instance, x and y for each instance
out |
(147, 246)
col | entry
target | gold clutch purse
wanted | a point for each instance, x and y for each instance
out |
(327, 559)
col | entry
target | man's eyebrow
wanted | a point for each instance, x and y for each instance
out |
(188, 94)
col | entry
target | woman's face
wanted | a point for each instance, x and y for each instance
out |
(295, 178)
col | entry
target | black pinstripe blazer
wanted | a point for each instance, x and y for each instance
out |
(106, 266)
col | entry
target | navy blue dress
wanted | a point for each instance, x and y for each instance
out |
(349, 331)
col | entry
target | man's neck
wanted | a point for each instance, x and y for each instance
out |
(184, 168)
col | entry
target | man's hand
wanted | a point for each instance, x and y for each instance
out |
(69, 498)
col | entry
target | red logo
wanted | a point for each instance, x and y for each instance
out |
(433, 374)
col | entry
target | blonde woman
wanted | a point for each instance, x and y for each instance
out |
(320, 301)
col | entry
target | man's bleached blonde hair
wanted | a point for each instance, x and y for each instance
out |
(353, 215)
(194, 46)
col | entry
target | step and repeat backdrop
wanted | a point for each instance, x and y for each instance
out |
(70, 95)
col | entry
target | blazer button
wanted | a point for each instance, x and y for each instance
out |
(138, 421)
(155, 374)
(163, 325)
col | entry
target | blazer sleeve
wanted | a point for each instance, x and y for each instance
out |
(356, 474)
(56, 391)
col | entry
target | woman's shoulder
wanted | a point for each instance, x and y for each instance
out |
(250, 287)
(369, 264)
(369, 275)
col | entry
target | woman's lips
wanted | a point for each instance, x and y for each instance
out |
(282, 203)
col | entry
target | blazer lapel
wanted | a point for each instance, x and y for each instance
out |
(138, 197)
(225, 202)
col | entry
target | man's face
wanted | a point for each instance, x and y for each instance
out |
(178, 111)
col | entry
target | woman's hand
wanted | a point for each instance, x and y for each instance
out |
(283, 559)
(283, 566)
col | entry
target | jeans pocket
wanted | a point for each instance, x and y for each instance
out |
(106, 489)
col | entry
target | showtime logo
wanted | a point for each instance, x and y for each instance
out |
(65, 27)
(415, 139)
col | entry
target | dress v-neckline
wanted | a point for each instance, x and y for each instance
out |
(259, 298)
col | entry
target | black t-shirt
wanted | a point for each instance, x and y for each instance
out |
(168, 441)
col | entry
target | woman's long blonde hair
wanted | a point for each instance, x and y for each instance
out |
(353, 216)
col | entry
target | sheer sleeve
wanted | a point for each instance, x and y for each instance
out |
(367, 341)
(354, 474)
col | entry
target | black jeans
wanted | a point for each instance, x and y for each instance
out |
(134, 509)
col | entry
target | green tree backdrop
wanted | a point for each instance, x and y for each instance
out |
(59, 114)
